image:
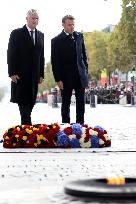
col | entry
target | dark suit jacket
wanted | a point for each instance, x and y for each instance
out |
(61, 58)
(27, 61)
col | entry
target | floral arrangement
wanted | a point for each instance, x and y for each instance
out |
(56, 136)
(78, 136)
(26, 136)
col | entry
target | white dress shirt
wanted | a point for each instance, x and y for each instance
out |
(29, 29)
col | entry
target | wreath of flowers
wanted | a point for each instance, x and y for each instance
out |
(56, 136)
(26, 136)
(77, 136)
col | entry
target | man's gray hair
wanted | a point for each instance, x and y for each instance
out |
(31, 12)
(70, 17)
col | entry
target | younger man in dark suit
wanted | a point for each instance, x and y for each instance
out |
(69, 65)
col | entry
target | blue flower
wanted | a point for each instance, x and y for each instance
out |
(76, 129)
(62, 139)
(75, 143)
(94, 141)
(99, 127)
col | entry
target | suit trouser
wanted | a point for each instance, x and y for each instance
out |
(25, 113)
(80, 104)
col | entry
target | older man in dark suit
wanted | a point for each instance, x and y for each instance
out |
(69, 65)
(25, 58)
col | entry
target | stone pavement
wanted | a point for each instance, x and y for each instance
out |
(37, 176)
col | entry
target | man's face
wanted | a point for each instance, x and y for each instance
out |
(32, 21)
(69, 26)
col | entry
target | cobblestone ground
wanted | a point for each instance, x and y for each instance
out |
(37, 176)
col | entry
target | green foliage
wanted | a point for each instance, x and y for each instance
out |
(96, 45)
(122, 43)
(49, 81)
(114, 51)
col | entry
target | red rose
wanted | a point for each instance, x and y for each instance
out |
(102, 137)
(68, 131)
(87, 139)
(108, 143)
(78, 136)
(87, 130)
(105, 132)
(100, 134)
(85, 125)
(96, 129)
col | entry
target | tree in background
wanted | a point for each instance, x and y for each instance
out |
(49, 81)
(128, 25)
(122, 43)
(96, 45)
(113, 50)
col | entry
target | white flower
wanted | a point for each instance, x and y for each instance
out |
(72, 136)
(81, 140)
(93, 132)
(83, 130)
(90, 131)
(106, 137)
(64, 125)
(85, 144)
(83, 136)
(101, 142)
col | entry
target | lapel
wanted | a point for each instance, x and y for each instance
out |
(28, 37)
(77, 37)
(36, 38)
(63, 35)
(77, 40)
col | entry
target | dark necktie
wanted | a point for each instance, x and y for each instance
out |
(71, 36)
(32, 37)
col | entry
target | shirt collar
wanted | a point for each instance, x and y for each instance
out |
(29, 29)
(67, 33)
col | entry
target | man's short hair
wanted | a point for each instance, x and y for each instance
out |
(69, 17)
(31, 12)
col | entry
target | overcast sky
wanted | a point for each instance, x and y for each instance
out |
(90, 15)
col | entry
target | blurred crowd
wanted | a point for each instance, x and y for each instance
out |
(109, 94)
(105, 95)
